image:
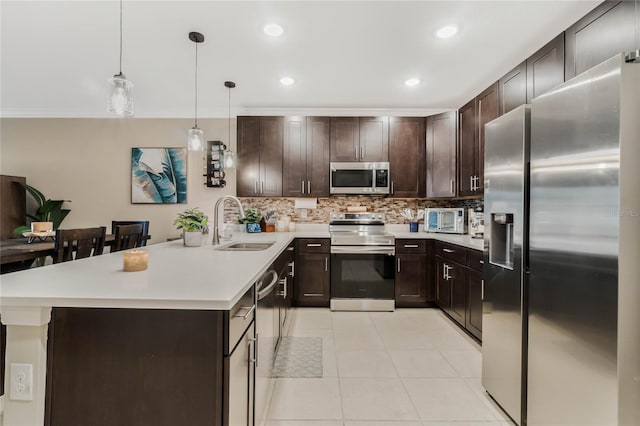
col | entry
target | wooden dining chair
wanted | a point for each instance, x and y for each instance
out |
(83, 242)
(127, 237)
(145, 228)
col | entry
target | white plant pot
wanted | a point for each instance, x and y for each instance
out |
(192, 238)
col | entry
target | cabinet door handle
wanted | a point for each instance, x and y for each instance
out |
(313, 294)
(410, 246)
(392, 191)
(471, 180)
(362, 149)
(302, 182)
(356, 147)
(292, 273)
(398, 265)
(253, 348)
(262, 187)
(482, 262)
(308, 187)
(451, 183)
(255, 187)
(283, 282)
(249, 311)
(482, 290)
(314, 245)
(326, 263)
(447, 250)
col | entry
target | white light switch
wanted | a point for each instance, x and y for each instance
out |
(21, 382)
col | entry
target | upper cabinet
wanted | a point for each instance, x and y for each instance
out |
(306, 157)
(360, 139)
(441, 155)
(259, 170)
(472, 118)
(602, 33)
(513, 88)
(407, 157)
(545, 68)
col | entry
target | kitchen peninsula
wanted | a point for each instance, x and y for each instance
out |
(181, 298)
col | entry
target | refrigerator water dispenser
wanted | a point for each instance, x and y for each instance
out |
(501, 242)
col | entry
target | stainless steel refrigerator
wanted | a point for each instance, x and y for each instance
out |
(579, 279)
(506, 236)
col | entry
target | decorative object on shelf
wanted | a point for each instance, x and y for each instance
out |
(193, 223)
(270, 221)
(120, 100)
(47, 217)
(196, 135)
(158, 175)
(215, 165)
(229, 156)
(135, 260)
(251, 220)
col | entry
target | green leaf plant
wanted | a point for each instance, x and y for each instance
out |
(48, 210)
(191, 220)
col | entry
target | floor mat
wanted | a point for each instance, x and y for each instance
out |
(299, 357)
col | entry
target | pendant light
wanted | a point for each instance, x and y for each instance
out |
(229, 156)
(120, 100)
(196, 135)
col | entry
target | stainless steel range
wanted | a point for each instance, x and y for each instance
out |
(362, 263)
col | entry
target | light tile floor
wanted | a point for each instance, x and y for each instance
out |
(411, 367)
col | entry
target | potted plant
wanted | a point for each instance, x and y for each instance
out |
(47, 217)
(251, 220)
(193, 223)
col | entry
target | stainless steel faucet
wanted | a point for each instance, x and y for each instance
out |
(221, 200)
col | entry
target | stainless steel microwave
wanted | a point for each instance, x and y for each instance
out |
(360, 178)
(450, 221)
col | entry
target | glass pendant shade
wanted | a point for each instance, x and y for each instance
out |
(120, 100)
(196, 139)
(229, 159)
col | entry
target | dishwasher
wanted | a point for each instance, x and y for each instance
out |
(267, 332)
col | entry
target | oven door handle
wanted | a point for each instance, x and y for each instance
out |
(391, 251)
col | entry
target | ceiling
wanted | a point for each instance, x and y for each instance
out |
(346, 56)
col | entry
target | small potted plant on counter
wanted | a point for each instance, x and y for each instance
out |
(251, 220)
(193, 223)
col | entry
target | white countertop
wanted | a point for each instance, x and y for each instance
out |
(463, 240)
(178, 277)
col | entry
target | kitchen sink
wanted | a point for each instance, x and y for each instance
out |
(246, 246)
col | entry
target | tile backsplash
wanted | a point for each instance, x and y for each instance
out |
(391, 207)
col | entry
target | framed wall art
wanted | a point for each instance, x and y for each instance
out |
(158, 175)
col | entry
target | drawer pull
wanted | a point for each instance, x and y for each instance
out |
(410, 246)
(248, 312)
(448, 250)
(313, 294)
(314, 245)
(482, 262)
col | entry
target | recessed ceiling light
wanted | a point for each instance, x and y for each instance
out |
(412, 82)
(446, 32)
(273, 30)
(287, 81)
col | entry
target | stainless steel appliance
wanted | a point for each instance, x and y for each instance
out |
(476, 223)
(360, 178)
(446, 220)
(506, 193)
(584, 292)
(561, 338)
(362, 263)
(267, 332)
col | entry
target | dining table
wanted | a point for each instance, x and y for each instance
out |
(17, 254)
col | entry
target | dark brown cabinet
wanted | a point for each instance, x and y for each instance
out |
(513, 88)
(360, 139)
(313, 273)
(472, 118)
(545, 68)
(602, 33)
(259, 171)
(459, 285)
(414, 284)
(441, 155)
(305, 171)
(407, 157)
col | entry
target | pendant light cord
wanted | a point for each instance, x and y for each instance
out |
(229, 135)
(120, 37)
(196, 79)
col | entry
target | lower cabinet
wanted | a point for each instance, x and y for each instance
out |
(312, 286)
(414, 283)
(459, 285)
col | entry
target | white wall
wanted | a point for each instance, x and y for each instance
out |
(88, 161)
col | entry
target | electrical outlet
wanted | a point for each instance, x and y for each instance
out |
(21, 382)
